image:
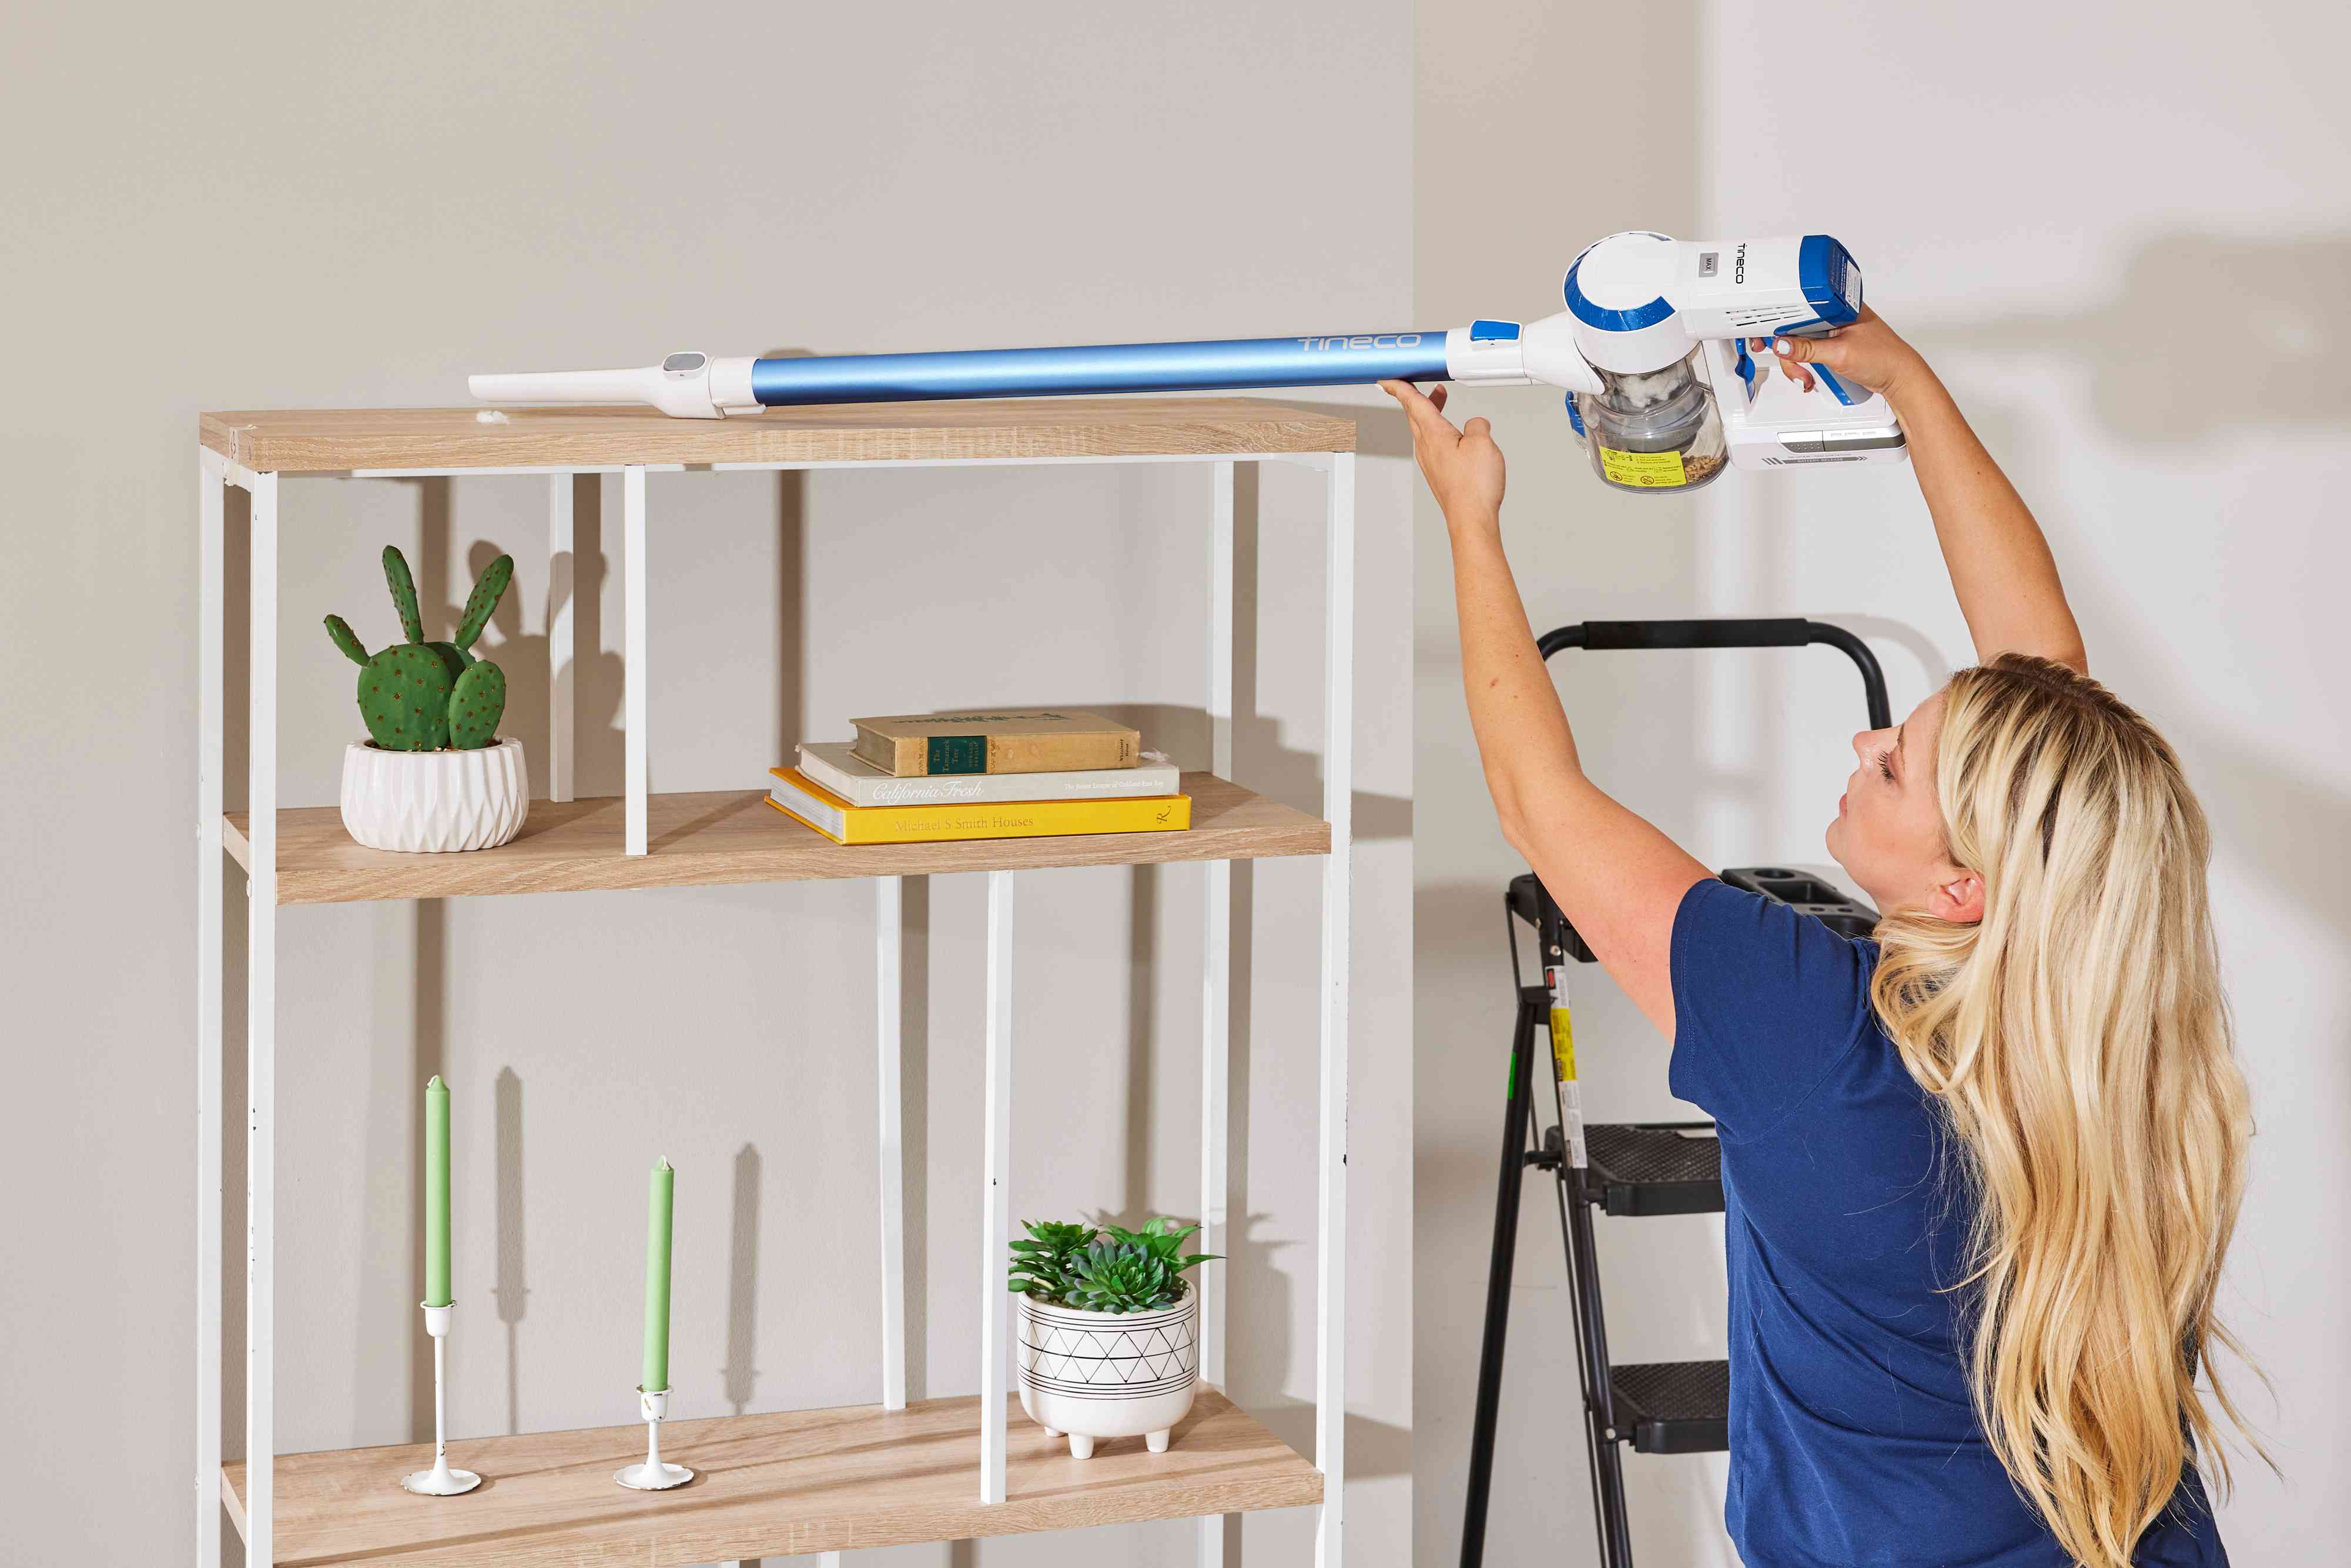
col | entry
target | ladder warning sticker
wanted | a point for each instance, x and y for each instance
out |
(1651, 470)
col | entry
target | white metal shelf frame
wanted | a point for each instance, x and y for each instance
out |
(216, 474)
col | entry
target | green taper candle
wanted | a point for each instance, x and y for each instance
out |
(661, 1191)
(436, 1193)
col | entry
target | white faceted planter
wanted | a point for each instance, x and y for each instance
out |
(1108, 1375)
(426, 802)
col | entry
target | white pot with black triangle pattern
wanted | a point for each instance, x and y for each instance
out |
(1108, 1375)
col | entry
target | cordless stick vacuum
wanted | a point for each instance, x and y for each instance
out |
(1651, 351)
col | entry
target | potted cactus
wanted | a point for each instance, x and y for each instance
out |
(433, 774)
(1108, 1329)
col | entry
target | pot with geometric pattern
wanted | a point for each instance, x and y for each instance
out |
(1108, 1375)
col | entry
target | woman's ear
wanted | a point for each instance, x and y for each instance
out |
(1958, 898)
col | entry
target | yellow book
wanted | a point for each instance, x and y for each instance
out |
(836, 818)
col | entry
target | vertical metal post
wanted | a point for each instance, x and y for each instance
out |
(889, 903)
(560, 661)
(996, 1217)
(261, 1036)
(1216, 975)
(634, 676)
(212, 576)
(1338, 798)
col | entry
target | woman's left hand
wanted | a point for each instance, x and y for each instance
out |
(1463, 467)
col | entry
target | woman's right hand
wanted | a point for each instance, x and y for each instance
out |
(1868, 352)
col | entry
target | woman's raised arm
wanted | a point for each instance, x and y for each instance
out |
(1615, 877)
(2001, 567)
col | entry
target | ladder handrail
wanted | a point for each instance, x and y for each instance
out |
(1785, 632)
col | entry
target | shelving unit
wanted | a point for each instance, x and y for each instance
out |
(804, 1482)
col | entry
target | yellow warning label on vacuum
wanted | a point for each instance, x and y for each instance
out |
(1650, 470)
(1562, 1043)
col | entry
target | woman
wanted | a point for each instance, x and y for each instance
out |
(1978, 1173)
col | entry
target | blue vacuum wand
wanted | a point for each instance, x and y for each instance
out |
(1650, 352)
(698, 386)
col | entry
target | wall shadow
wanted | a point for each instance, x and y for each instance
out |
(792, 610)
(598, 674)
(512, 1289)
(2153, 383)
(1142, 1029)
(430, 1022)
(739, 1377)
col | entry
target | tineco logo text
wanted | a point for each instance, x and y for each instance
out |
(1384, 341)
(1738, 263)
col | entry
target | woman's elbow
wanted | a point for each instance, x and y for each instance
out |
(1517, 831)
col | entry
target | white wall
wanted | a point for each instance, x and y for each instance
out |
(289, 205)
(2123, 238)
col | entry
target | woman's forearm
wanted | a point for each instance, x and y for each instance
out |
(1616, 877)
(2002, 570)
(1524, 743)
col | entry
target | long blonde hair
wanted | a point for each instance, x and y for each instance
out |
(2079, 1044)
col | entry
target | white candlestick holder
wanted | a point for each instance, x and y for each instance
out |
(441, 1480)
(653, 1475)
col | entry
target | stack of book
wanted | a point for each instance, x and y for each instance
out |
(922, 777)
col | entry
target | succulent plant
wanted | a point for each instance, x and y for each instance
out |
(1042, 1262)
(421, 697)
(1113, 1270)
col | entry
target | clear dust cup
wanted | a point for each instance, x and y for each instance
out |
(1656, 430)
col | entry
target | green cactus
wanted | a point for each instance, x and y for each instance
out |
(421, 697)
(404, 698)
(353, 649)
(485, 599)
(403, 593)
(475, 705)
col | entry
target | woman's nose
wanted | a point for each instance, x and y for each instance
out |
(1861, 744)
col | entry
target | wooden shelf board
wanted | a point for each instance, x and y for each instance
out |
(334, 441)
(709, 840)
(765, 1486)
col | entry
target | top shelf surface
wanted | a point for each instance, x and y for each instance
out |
(338, 441)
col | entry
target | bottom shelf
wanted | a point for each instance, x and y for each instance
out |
(766, 1486)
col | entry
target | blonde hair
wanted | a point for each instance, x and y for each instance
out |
(2078, 1041)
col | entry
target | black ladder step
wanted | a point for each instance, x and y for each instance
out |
(1673, 1407)
(1653, 1168)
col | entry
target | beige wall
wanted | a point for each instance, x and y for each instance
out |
(283, 205)
(2126, 242)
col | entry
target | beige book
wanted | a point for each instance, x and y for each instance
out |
(1044, 741)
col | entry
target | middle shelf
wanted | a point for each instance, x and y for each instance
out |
(715, 838)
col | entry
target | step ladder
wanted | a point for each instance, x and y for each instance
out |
(1630, 1170)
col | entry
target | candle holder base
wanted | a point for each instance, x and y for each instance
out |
(652, 1477)
(440, 1481)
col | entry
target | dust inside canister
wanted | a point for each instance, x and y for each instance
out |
(1654, 431)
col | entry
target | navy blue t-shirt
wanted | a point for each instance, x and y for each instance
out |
(1853, 1440)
